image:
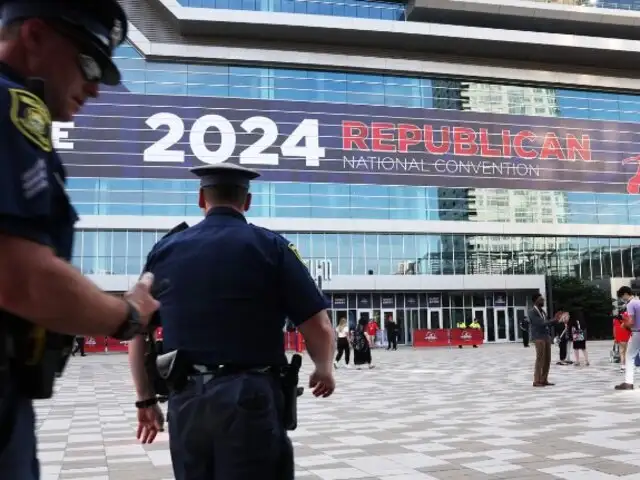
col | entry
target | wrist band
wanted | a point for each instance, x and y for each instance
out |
(149, 402)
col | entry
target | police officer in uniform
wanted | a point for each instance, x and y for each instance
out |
(53, 56)
(231, 285)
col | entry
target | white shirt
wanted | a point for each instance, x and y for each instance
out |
(343, 332)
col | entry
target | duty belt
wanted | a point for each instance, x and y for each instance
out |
(209, 372)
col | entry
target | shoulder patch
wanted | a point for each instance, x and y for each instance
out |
(31, 117)
(295, 251)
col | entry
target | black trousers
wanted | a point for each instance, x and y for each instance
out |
(343, 349)
(79, 346)
(392, 340)
(525, 337)
(563, 349)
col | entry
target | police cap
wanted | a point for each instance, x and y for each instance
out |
(224, 174)
(97, 27)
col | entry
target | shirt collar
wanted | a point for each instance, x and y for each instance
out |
(226, 212)
(12, 74)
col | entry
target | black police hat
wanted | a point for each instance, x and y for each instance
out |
(98, 26)
(224, 174)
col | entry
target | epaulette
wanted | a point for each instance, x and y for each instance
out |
(176, 229)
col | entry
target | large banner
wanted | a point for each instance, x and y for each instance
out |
(155, 136)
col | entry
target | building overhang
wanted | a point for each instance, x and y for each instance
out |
(535, 16)
(424, 38)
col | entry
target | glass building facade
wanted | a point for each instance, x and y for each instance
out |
(121, 252)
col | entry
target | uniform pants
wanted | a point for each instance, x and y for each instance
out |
(543, 361)
(563, 343)
(525, 337)
(392, 340)
(230, 428)
(633, 348)
(18, 460)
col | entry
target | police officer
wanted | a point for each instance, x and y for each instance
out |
(231, 285)
(44, 301)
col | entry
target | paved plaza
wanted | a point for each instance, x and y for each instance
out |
(419, 415)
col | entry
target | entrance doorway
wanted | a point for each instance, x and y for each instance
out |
(435, 319)
(521, 314)
(501, 325)
(479, 314)
(411, 323)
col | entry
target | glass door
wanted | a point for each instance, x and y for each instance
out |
(501, 327)
(412, 322)
(521, 313)
(435, 318)
(479, 314)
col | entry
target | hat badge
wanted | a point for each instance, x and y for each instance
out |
(116, 33)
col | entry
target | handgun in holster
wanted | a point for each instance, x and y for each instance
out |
(289, 379)
(37, 358)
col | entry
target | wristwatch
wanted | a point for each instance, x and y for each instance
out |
(132, 325)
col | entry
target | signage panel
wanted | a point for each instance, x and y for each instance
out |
(156, 136)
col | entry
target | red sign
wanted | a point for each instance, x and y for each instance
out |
(467, 336)
(431, 338)
(94, 344)
(114, 345)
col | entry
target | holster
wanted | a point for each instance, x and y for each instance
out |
(173, 369)
(289, 379)
(150, 365)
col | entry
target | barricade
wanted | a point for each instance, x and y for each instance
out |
(294, 341)
(95, 344)
(466, 336)
(447, 337)
(431, 338)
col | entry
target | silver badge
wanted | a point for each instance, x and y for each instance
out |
(116, 33)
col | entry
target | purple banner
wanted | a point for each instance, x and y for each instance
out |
(154, 136)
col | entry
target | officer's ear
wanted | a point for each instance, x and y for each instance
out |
(201, 203)
(34, 33)
(247, 202)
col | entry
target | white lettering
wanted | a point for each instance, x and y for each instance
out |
(303, 142)
(59, 132)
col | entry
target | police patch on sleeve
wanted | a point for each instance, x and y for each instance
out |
(31, 117)
(295, 251)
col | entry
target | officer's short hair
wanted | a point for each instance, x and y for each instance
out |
(231, 194)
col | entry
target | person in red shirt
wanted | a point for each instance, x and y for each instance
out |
(372, 331)
(621, 335)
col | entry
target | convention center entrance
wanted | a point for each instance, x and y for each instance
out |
(499, 313)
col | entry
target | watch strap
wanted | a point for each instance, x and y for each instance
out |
(149, 402)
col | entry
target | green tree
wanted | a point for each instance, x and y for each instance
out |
(581, 298)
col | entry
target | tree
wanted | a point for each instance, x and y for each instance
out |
(580, 298)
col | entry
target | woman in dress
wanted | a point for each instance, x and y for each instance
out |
(578, 330)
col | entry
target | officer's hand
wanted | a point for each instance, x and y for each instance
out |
(150, 422)
(322, 383)
(140, 296)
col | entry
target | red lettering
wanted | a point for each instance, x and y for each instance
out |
(506, 143)
(486, 150)
(551, 147)
(464, 141)
(430, 144)
(378, 136)
(408, 135)
(580, 148)
(518, 144)
(354, 135)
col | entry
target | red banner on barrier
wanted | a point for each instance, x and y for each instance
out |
(94, 344)
(467, 336)
(431, 338)
(114, 345)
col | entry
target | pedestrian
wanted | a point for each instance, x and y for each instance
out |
(541, 336)
(44, 301)
(632, 323)
(231, 286)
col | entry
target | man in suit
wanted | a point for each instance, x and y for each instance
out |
(541, 336)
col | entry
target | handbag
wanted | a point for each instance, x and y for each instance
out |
(578, 333)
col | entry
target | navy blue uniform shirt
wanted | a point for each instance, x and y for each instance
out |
(33, 201)
(231, 286)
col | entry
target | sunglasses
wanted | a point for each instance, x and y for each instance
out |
(90, 68)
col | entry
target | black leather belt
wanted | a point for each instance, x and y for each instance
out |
(216, 371)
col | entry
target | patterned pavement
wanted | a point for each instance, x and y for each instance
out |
(420, 414)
